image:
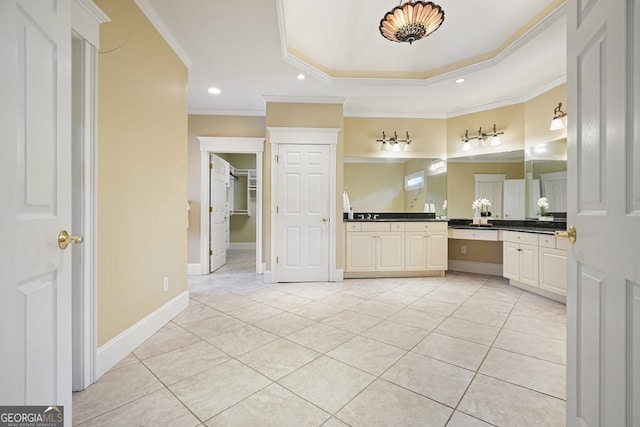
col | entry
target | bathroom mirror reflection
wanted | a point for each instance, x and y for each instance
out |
(546, 176)
(498, 177)
(396, 184)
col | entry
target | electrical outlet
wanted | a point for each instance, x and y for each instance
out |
(166, 284)
(463, 249)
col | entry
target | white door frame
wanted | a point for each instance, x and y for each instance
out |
(300, 136)
(209, 144)
(86, 18)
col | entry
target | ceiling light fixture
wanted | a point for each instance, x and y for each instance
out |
(393, 143)
(301, 76)
(411, 21)
(557, 123)
(482, 138)
(460, 81)
(214, 91)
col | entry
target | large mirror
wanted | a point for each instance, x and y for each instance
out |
(546, 176)
(498, 177)
(396, 184)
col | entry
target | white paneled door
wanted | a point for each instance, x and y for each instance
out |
(35, 195)
(603, 296)
(218, 212)
(303, 213)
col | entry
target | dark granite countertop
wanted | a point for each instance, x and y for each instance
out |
(392, 217)
(526, 226)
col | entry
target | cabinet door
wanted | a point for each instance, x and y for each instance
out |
(437, 250)
(416, 251)
(529, 265)
(390, 251)
(361, 251)
(553, 270)
(511, 260)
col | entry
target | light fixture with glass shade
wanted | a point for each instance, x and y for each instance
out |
(558, 118)
(393, 143)
(482, 138)
(411, 21)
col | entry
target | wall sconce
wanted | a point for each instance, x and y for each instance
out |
(557, 123)
(482, 138)
(393, 143)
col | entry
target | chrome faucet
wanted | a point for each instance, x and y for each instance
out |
(368, 216)
(375, 216)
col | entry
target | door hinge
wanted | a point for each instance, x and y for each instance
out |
(277, 159)
(210, 165)
(277, 209)
(210, 209)
(210, 253)
(277, 260)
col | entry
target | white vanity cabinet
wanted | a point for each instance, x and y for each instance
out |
(536, 262)
(396, 248)
(520, 257)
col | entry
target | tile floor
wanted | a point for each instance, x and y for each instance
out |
(460, 350)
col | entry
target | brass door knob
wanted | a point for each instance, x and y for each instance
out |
(64, 239)
(324, 220)
(570, 234)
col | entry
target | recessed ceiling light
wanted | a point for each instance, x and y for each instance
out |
(214, 91)
(460, 81)
(301, 76)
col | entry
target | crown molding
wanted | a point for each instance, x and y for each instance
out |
(205, 112)
(305, 99)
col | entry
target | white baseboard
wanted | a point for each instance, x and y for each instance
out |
(338, 275)
(242, 245)
(267, 278)
(194, 269)
(117, 348)
(475, 267)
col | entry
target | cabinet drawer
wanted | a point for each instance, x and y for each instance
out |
(375, 226)
(563, 244)
(354, 226)
(473, 234)
(425, 226)
(547, 241)
(397, 226)
(515, 237)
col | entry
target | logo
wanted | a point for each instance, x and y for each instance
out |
(31, 416)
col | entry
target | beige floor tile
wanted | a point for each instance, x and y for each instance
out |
(334, 422)
(435, 306)
(183, 362)
(538, 307)
(166, 339)
(195, 311)
(367, 354)
(262, 295)
(540, 327)
(466, 354)
(320, 337)
(535, 374)
(504, 404)
(419, 286)
(129, 359)
(470, 331)
(436, 380)
(228, 303)
(212, 327)
(460, 419)
(385, 404)
(327, 383)
(461, 287)
(396, 334)
(255, 313)
(287, 302)
(342, 300)
(214, 390)
(448, 295)
(376, 309)
(508, 293)
(284, 324)
(396, 296)
(418, 319)
(160, 408)
(480, 315)
(352, 321)
(316, 310)
(278, 358)
(489, 301)
(237, 341)
(273, 406)
(112, 390)
(532, 345)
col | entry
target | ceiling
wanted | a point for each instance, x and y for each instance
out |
(507, 51)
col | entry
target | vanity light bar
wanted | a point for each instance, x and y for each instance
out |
(392, 143)
(481, 137)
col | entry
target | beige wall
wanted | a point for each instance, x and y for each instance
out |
(232, 126)
(429, 136)
(477, 251)
(312, 116)
(142, 170)
(538, 113)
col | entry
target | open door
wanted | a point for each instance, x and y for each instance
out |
(603, 183)
(218, 212)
